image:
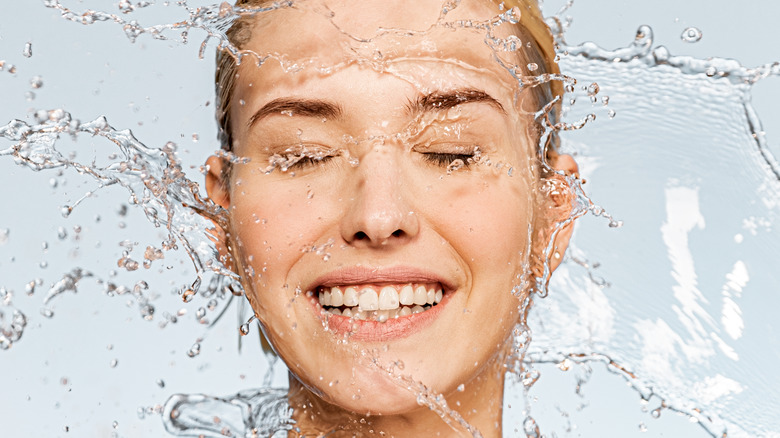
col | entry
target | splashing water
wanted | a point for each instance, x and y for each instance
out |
(578, 326)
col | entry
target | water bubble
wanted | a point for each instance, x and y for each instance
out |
(691, 35)
(27, 52)
(36, 82)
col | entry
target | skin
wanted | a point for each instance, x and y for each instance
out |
(397, 211)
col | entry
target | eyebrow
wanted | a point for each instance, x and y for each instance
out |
(442, 101)
(299, 107)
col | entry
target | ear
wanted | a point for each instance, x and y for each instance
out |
(218, 191)
(216, 186)
(567, 164)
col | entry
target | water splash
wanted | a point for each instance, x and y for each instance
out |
(712, 68)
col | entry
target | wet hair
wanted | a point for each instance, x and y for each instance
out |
(531, 29)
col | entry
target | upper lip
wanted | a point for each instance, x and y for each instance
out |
(379, 275)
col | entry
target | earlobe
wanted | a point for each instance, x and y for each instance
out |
(216, 186)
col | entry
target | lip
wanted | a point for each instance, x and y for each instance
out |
(374, 331)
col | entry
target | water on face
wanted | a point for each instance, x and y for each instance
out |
(675, 302)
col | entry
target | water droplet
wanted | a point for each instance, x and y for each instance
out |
(36, 82)
(188, 295)
(30, 96)
(656, 413)
(200, 313)
(642, 427)
(530, 428)
(66, 210)
(4, 232)
(47, 312)
(461, 387)
(711, 71)
(532, 66)
(611, 113)
(147, 312)
(691, 35)
(195, 138)
(114, 424)
(27, 52)
(114, 363)
(161, 383)
(593, 89)
(194, 350)
(244, 329)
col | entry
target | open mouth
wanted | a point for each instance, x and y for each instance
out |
(379, 302)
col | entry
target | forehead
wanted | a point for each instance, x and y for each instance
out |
(323, 35)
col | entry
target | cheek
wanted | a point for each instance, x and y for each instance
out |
(274, 222)
(486, 221)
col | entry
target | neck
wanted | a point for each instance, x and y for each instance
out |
(475, 410)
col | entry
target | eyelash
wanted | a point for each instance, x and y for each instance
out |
(308, 161)
(446, 159)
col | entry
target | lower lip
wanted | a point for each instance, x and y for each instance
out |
(375, 331)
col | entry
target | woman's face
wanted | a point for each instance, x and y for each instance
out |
(352, 200)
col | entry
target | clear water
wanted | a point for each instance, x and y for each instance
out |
(702, 211)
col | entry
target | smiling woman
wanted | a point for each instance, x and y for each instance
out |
(409, 144)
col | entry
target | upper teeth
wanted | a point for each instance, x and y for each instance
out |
(371, 298)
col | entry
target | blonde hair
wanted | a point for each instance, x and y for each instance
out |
(531, 28)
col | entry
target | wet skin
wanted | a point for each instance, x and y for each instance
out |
(371, 189)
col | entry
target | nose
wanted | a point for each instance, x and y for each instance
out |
(379, 213)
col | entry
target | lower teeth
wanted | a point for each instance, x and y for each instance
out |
(376, 315)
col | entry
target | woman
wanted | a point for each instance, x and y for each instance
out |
(391, 208)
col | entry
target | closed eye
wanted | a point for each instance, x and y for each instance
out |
(302, 159)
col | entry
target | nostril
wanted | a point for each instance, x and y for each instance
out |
(397, 233)
(360, 236)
